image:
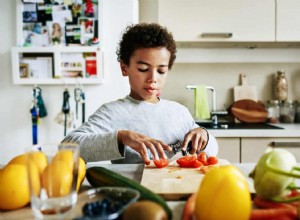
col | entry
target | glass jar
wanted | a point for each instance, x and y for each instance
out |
(297, 114)
(281, 87)
(273, 111)
(287, 112)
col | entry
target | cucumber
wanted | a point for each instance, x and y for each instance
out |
(100, 176)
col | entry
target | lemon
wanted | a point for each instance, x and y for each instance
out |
(57, 179)
(66, 156)
(14, 190)
(37, 162)
(81, 173)
(39, 158)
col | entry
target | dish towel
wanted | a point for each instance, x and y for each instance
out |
(201, 103)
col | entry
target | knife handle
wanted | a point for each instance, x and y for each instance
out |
(188, 148)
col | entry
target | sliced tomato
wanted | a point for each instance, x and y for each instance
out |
(212, 160)
(202, 157)
(197, 164)
(186, 161)
(161, 163)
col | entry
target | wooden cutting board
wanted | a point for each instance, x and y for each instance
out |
(174, 182)
(244, 91)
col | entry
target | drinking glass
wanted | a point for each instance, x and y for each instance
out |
(53, 174)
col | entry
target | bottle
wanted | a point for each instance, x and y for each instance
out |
(281, 87)
(287, 112)
(273, 111)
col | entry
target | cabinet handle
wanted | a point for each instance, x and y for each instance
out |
(285, 144)
(216, 35)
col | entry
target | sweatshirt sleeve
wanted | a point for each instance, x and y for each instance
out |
(97, 138)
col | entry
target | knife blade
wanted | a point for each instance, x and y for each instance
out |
(177, 152)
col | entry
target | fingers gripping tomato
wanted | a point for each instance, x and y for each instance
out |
(223, 194)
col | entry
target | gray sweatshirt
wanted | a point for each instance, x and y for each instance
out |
(167, 121)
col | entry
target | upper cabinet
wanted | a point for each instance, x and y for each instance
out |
(215, 20)
(265, 23)
(288, 21)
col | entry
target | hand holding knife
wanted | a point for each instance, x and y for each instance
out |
(178, 152)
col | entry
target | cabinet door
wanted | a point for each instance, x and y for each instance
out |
(288, 20)
(253, 148)
(218, 20)
(229, 149)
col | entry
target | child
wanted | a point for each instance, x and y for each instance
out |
(142, 126)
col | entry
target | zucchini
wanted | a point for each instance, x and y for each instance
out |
(100, 176)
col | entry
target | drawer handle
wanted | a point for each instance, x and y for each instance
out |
(216, 35)
(285, 144)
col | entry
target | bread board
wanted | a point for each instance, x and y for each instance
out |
(244, 91)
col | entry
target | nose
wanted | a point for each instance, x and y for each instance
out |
(152, 78)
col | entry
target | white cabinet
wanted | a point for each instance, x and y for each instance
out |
(229, 149)
(253, 148)
(249, 150)
(288, 20)
(213, 20)
(71, 57)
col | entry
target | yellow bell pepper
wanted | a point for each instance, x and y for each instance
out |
(223, 194)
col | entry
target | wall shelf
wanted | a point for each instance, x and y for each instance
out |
(68, 62)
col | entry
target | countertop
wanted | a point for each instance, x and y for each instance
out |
(289, 130)
(132, 171)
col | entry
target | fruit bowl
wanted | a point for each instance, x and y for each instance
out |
(104, 202)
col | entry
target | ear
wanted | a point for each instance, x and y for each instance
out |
(124, 68)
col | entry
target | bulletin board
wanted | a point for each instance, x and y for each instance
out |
(59, 22)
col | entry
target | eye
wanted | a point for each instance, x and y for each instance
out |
(162, 70)
(143, 69)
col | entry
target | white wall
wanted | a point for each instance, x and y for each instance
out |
(224, 76)
(15, 119)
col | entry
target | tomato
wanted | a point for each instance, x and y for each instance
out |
(197, 164)
(212, 160)
(186, 161)
(223, 194)
(202, 157)
(161, 163)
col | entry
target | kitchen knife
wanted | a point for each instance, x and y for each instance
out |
(177, 152)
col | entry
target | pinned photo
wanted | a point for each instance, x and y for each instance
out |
(87, 26)
(23, 70)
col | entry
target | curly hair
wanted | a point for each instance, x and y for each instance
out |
(145, 36)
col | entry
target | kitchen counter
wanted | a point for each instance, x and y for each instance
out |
(289, 130)
(132, 171)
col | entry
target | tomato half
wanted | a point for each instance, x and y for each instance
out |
(212, 160)
(161, 163)
(197, 164)
(202, 157)
(186, 161)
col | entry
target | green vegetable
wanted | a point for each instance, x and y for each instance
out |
(100, 176)
(274, 175)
